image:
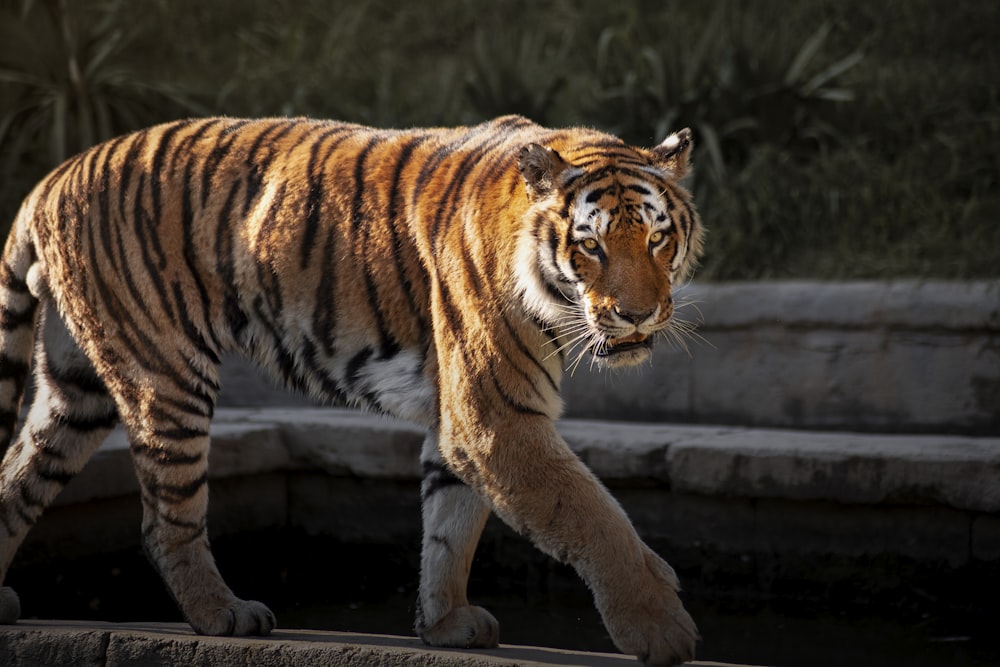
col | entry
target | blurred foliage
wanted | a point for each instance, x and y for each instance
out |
(835, 138)
(65, 85)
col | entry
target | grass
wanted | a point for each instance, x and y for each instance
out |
(835, 139)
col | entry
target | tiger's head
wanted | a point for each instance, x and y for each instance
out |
(610, 232)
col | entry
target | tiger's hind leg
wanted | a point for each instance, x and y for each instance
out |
(168, 430)
(70, 416)
(453, 518)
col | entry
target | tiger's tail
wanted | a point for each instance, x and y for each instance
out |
(18, 315)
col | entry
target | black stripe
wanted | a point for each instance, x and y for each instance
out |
(127, 166)
(332, 391)
(82, 379)
(427, 170)
(130, 334)
(269, 290)
(525, 351)
(183, 404)
(554, 292)
(641, 189)
(84, 424)
(514, 404)
(157, 175)
(13, 369)
(166, 457)
(361, 229)
(595, 194)
(395, 201)
(453, 319)
(41, 444)
(183, 150)
(452, 315)
(10, 281)
(267, 227)
(315, 173)
(437, 476)
(147, 533)
(236, 319)
(283, 357)
(589, 178)
(684, 222)
(325, 316)
(190, 261)
(456, 182)
(196, 534)
(103, 198)
(233, 126)
(353, 374)
(121, 256)
(192, 331)
(356, 363)
(10, 320)
(224, 141)
(259, 165)
(181, 433)
(473, 271)
(29, 499)
(358, 199)
(142, 222)
(52, 179)
(60, 477)
(175, 493)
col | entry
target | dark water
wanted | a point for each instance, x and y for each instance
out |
(312, 584)
(749, 633)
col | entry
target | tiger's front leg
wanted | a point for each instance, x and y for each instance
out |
(453, 518)
(541, 489)
(515, 458)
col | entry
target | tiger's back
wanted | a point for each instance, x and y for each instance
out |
(411, 272)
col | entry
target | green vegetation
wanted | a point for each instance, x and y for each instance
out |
(835, 138)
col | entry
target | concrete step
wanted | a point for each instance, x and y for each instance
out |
(932, 499)
(952, 471)
(92, 644)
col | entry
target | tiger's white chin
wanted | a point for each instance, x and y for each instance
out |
(629, 351)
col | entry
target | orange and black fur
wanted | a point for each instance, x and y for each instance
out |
(445, 276)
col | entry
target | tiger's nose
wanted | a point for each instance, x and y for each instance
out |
(634, 316)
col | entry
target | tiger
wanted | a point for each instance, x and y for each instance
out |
(446, 276)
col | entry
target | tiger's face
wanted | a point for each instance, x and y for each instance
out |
(609, 238)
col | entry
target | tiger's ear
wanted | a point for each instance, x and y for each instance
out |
(674, 152)
(539, 167)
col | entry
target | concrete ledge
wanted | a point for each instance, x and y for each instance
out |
(95, 644)
(754, 494)
(952, 471)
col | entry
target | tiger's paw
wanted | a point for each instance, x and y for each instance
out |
(648, 620)
(10, 606)
(464, 627)
(240, 617)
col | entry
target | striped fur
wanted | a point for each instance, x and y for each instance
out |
(445, 276)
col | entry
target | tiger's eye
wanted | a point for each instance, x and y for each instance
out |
(655, 237)
(590, 244)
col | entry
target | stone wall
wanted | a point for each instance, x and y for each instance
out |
(870, 356)
(900, 356)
